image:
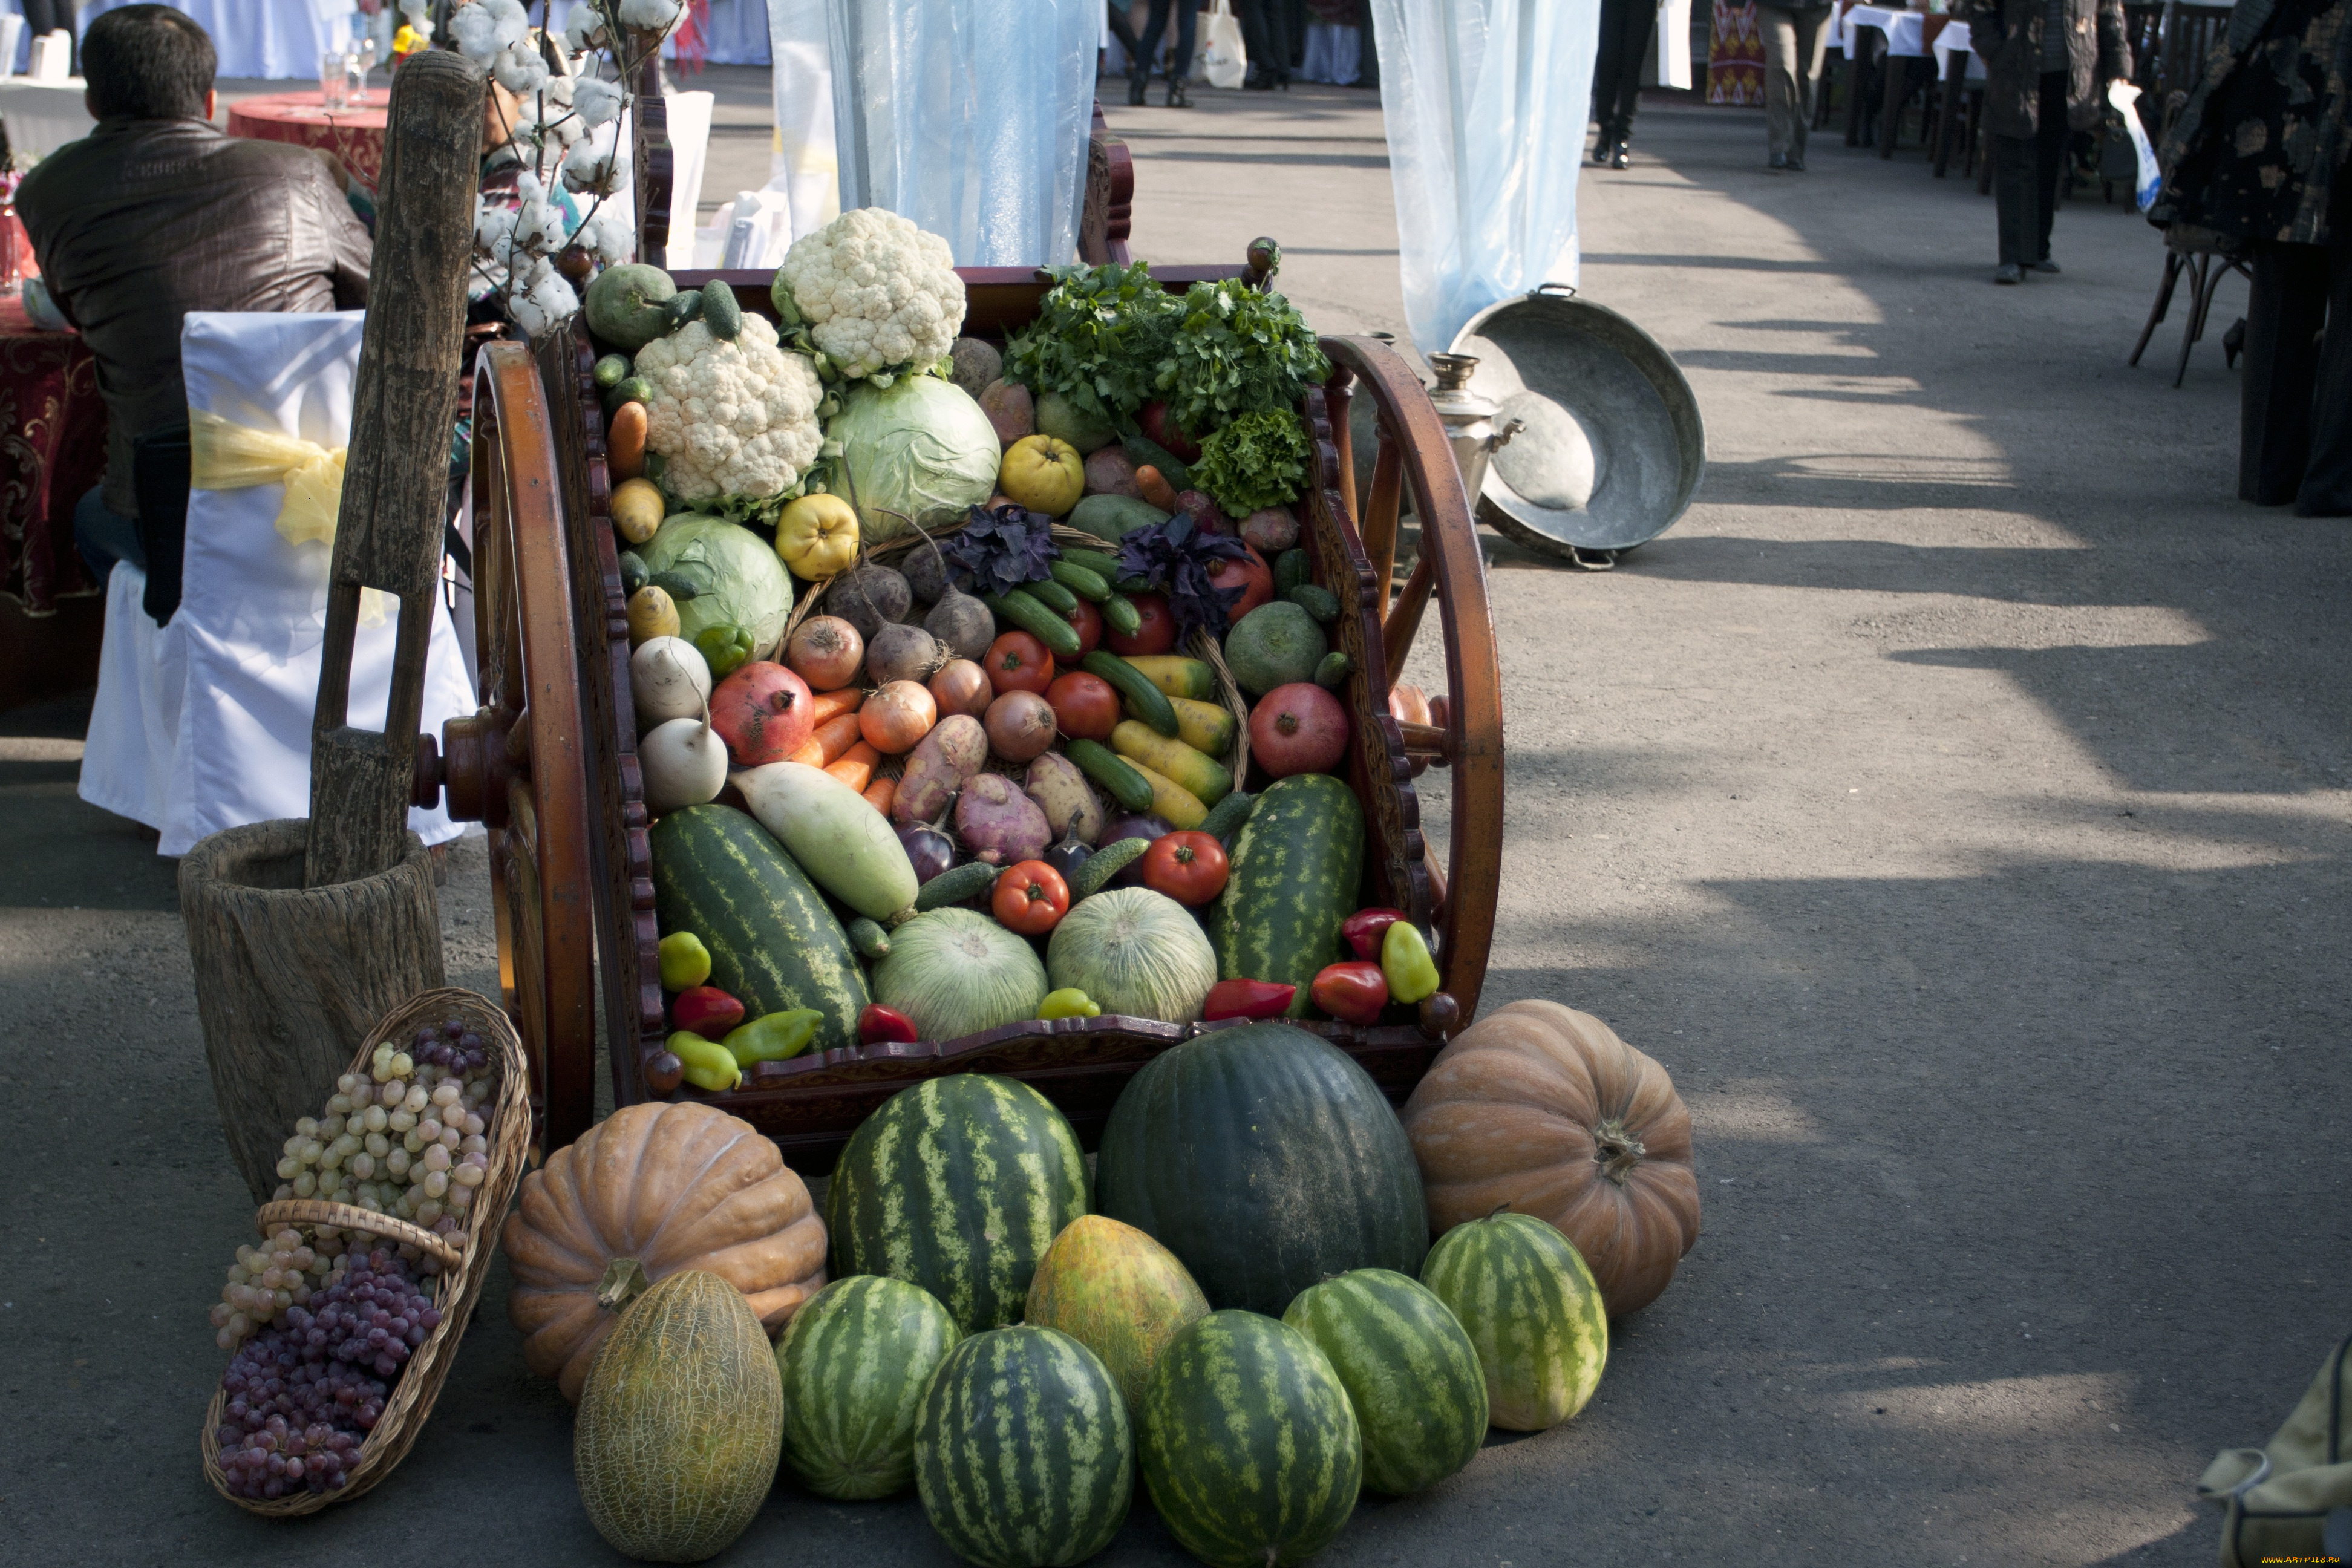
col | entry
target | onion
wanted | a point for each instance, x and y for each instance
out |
(826, 651)
(896, 718)
(1020, 726)
(668, 679)
(961, 687)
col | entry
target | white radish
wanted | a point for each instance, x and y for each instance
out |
(668, 679)
(683, 762)
(847, 847)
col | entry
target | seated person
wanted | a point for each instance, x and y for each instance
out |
(155, 213)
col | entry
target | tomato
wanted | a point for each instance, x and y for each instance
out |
(1087, 621)
(1018, 662)
(1086, 707)
(1190, 868)
(1353, 992)
(1253, 576)
(1030, 898)
(1156, 635)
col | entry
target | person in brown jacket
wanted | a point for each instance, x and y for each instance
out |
(155, 213)
(2047, 66)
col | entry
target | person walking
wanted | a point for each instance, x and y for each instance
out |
(1266, 40)
(1625, 29)
(2257, 159)
(1179, 64)
(1796, 40)
(2047, 66)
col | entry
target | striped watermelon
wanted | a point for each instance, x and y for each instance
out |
(958, 1184)
(1411, 1373)
(1250, 1447)
(1023, 1454)
(855, 1359)
(774, 943)
(1118, 1293)
(1296, 867)
(1530, 1305)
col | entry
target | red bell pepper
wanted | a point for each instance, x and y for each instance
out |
(878, 1026)
(706, 1011)
(1365, 928)
(1247, 999)
(1353, 993)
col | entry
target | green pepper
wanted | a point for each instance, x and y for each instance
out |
(1069, 1002)
(708, 1064)
(685, 962)
(724, 647)
(1411, 972)
(775, 1037)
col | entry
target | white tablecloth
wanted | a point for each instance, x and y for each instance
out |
(1334, 54)
(1955, 35)
(275, 40)
(1904, 30)
(43, 116)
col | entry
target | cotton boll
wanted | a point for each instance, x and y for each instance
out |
(494, 228)
(519, 70)
(584, 28)
(475, 32)
(512, 20)
(661, 14)
(590, 165)
(418, 15)
(597, 102)
(616, 241)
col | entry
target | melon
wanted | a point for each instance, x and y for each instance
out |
(1412, 1374)
(856, 1360)
(1532, 1308)
(1118, 1293)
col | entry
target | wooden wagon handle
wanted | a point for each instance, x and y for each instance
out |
(351, 1216)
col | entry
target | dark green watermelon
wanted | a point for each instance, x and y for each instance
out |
(855, 1359)
(958, 1184)
(1250, 1447)
(1023, 1454)
(1266, 1161)
(1410, 1372)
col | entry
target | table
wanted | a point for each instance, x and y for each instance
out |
(1959, 70)
(54, 450)
(355, 136)
(43, 116)
(1910, 34)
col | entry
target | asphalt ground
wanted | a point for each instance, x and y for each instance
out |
(1955, 801)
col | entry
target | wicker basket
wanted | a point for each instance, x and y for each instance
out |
(455, 1289)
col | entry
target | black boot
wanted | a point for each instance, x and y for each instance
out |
(1135, 88)
(1177, 97)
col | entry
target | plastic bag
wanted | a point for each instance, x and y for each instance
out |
(802, 165)
(969, 117)
(1223, 60)
(2125, 96)
(1485, 102)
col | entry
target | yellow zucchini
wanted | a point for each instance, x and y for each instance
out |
(1202, 777)
(1171, 802)
(1206, 726)
(1178, 677)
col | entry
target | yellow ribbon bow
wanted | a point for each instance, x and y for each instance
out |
(226, 456)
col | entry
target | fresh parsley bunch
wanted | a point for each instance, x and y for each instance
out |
(1258, 461)
(1004, 548)
(1237, 351)
(1100, 336)
(1177, 557)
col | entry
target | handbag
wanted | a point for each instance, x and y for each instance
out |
(2292, 1500)
(1223, 61)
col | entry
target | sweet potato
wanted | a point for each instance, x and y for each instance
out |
(1062, 792)
(999, 824)
(938, 766)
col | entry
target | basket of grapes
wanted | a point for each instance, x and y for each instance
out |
(345, 1317)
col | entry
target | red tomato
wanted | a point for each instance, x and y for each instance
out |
(1018, 662)
(1156, 635)
(1354, 992)
(1254, 577)
(1086, 707)
(1087, 621)
(1030, 898)
(1190, 868)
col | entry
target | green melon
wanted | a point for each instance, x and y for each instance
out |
(1250, 1447)
(1530, 1306)
(1023, 1454)
(855, 1359)
(1118, 1293)
(675, 1444)
(1267, 1160)
(958, 1184)
(1410, 1372)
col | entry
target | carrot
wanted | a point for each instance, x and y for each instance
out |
(1155, 487)
(881, 794)
(833, 736)
(855, 767)
(833, 704)
(812, 754)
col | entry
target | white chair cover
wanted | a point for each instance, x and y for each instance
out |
(204, 724)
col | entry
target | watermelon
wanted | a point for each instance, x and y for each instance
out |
(1118, 1293)
(1409, 1372)
(1530, 1306)
(1296, 867)
(1250, 1447)
(1266, 1161)
(1024, 1457)
(774, 942)
(958, 1184)
(855, 1359)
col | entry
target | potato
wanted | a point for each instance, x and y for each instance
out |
(1062, 792)
(1010, 409)
(977, 363)
(939, 767)
(1111, 472)
(999, 824)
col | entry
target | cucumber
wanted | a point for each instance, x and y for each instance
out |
(1296, 865)
(1090, 586)
(957, 885)
(681, 308)
(872, 943)
(1321, 603)
(680, 585)
(1291, 568)
(1111, 771)
(655, 466)
(1101, 565)
(1225, 818)
(628, 389)
(1143, 699)
(1104, 864)
(1060, 638)
(634, 574)
(1335, 668)
(611, 371)
(1119, 614)
(1185, 765)
(1135, 586)
(1053, 595)
(720, 314)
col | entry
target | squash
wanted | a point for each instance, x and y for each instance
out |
(624, 305)
(675, 1187)
(1544, 1111)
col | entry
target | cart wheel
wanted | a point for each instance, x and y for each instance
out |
(1464, 727)
(516, 764)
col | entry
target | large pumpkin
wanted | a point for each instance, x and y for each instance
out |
(673, 1187)
(1542, 1110)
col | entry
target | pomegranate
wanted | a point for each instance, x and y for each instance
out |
(764, 712)
(1299, 729)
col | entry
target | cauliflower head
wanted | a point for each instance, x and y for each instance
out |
(729, 418)
(880, 295)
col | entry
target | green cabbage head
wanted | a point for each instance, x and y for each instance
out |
(918, 449)
(741, 581)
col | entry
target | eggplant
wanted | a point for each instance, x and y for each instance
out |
(1132, 824)
(930, 851)
(1067, 856)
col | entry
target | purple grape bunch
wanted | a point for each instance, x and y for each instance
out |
(302, 1399)
(452, 1046)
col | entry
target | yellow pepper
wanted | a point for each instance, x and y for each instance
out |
(708, 1065)
(1405, 962)
(1069, 1003)
(773, 1036)
(685, 962)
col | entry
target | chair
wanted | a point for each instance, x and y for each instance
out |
(2199, 253)
(204, 722)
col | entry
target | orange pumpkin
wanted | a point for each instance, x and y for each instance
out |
(1542, 1110)
(672, 1187)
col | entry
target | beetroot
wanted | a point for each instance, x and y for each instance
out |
(1159, 424)
(1297, 728)
(764, 712)
(1270, 530)
(1206, 515)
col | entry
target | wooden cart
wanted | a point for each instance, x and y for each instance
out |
(549, 761)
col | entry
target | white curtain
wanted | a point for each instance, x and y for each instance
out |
(1485, 102)
(805, 166)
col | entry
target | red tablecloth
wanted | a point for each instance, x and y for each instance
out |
(355, 135)
(52, 449)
